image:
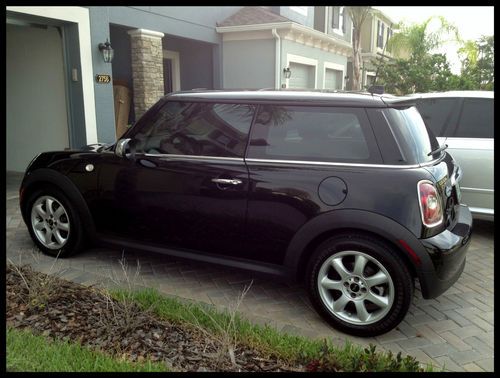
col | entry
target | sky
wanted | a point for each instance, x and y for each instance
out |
(472, 22)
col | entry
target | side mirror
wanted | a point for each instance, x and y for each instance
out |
(126, 148)
(121, 147)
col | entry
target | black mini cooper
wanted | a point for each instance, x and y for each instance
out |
(346, 192)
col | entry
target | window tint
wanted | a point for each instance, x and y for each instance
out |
(410, 130)
(476, 120)
(195, 128)
(437, 112)
(310, 133)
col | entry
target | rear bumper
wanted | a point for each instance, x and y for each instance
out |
(447, 251)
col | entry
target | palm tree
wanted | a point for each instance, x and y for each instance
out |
(417, 41)
(358, 16)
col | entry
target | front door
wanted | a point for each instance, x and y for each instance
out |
(188, 185)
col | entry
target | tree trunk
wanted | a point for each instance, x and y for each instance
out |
(356, 60)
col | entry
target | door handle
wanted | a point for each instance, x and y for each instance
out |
(227, 181)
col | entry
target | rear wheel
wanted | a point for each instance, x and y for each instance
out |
(54, 223)
(359, 284)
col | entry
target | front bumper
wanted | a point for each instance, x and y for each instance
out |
(447, 251)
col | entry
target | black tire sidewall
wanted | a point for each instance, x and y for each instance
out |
(388, 257)
(76, 238)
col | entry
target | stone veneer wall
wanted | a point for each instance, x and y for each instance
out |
(147, 69)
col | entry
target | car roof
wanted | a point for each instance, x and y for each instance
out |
(461, 94)
(298, 97)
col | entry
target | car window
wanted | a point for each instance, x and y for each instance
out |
(437, 112)
(196, 128)
(410, 130)
(476, 120)
(310, 133)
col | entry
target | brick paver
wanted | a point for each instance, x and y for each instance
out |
(455, 329)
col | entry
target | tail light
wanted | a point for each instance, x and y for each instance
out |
(430, 204)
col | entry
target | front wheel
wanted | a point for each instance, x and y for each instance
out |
(359, 284)
(54, 224)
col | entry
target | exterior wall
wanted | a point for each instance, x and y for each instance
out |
(311, 53)
(249, 64)
(196, 62)
(196, 23)
(104, 102)
(296, 14)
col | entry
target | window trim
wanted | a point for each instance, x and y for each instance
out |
(340, 30)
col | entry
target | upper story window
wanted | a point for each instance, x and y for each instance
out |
(338, 20)
(380, 34)
(195, 128)
(300, 10)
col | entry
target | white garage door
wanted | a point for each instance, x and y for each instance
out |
(302, 76)
(333, 79)
(37, 118)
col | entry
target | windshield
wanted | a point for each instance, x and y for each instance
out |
(408, 124)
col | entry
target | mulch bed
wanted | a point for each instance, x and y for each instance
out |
(66, 310)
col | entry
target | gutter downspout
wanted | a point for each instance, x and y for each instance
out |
(277, 79)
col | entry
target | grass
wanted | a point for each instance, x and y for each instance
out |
(293, 349)
(30, 353)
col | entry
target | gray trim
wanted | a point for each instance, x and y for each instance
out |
(308, 162)
(195, 157)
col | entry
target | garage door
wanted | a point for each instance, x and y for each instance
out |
(302, 76)
(37, 118)
(333, 79)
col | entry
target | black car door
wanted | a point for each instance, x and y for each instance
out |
(187, 185)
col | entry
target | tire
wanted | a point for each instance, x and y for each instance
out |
(359, 284)
(54, 223)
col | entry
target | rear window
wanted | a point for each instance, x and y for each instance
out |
(312, 134)
(410, 130)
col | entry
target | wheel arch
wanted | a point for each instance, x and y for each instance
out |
(44, 177)
(337, 222)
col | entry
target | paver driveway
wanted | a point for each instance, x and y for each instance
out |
(455, 330)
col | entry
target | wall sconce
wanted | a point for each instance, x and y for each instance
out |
(107, 51)
(287, 72)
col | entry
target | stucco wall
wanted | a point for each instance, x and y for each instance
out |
(189, 22)
(299, 17)
(249, 64)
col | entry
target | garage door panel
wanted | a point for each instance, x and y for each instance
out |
(302, 76)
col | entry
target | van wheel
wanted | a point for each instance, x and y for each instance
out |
(54, 223)
(359, 284)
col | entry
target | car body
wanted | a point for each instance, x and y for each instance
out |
(464, 121)
(345, 192)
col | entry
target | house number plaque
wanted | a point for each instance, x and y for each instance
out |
(103, 79)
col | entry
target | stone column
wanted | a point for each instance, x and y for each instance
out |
(147, 68)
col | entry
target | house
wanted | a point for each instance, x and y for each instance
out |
(61, 93)
(261, 44)
(375, 32)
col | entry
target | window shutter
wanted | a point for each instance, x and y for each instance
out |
(335, 18)
(382, 36)
(343, 20)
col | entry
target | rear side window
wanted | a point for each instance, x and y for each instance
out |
(312, 134)
(412, 134)
(196, 128)
(476, 120)
(437, 113)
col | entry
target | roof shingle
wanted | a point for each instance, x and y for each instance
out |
(252, 15)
